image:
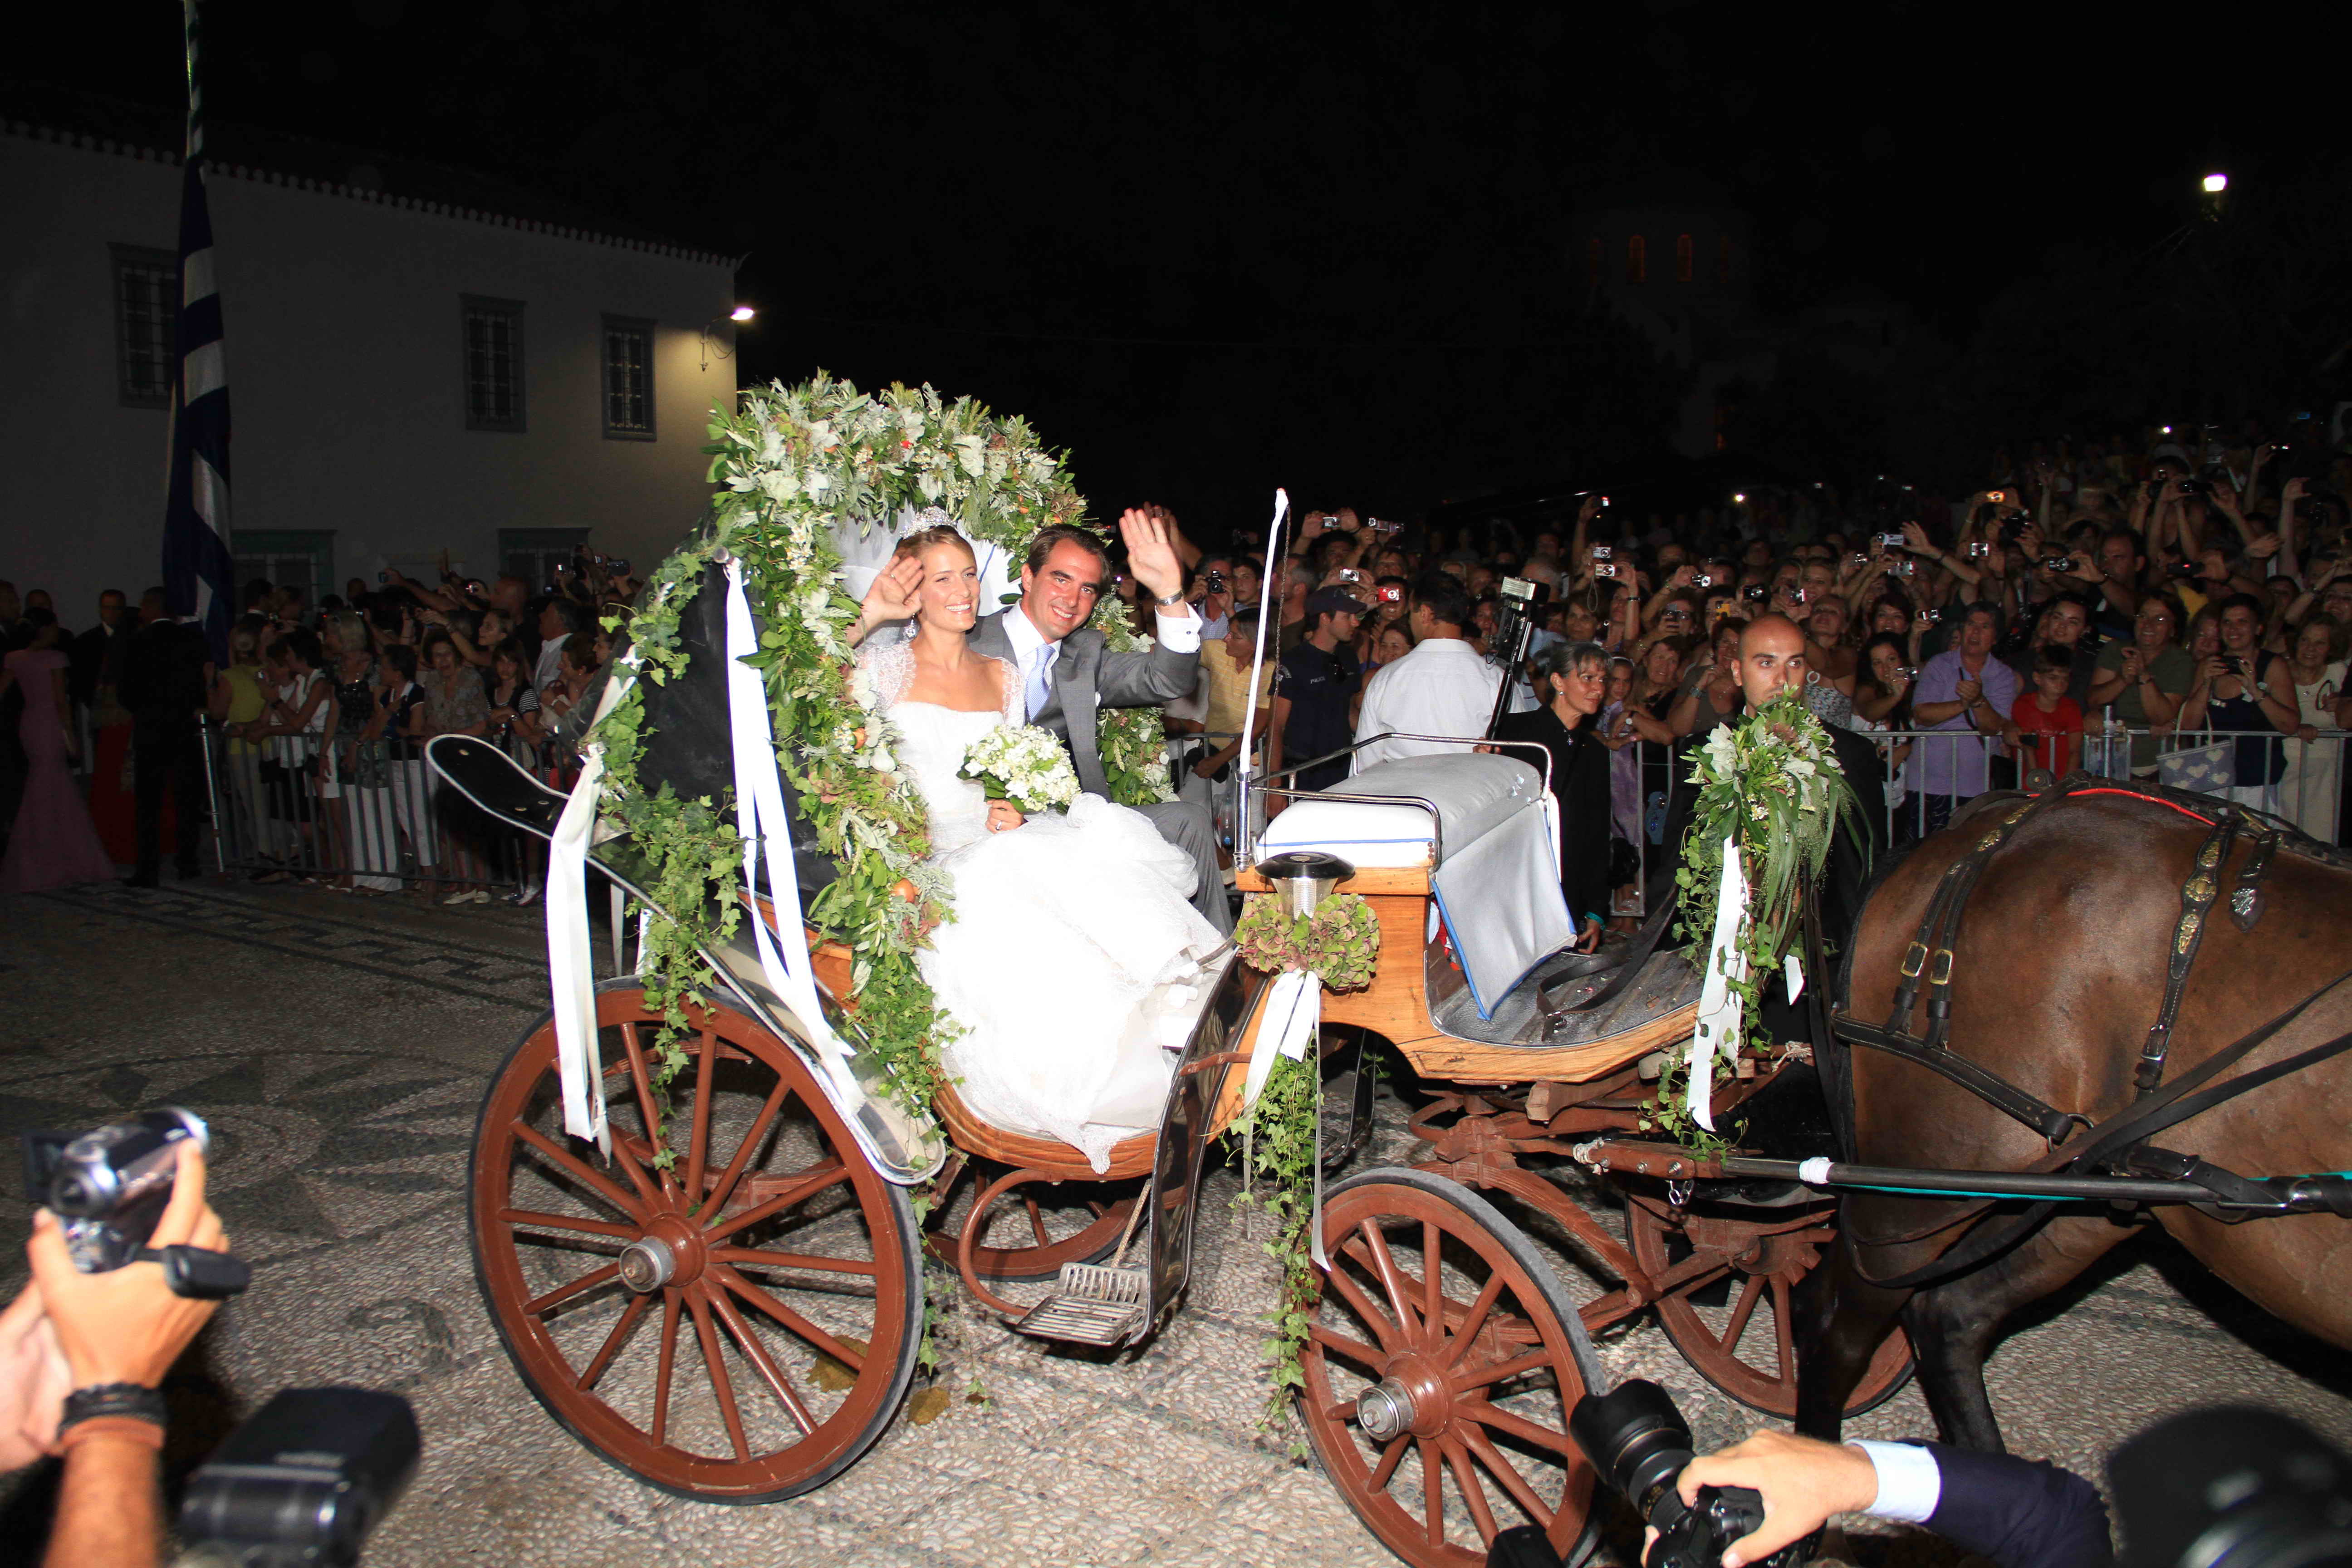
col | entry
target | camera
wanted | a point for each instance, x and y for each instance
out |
(1702, 580)
(1887, 540)
(1639, 1443)
(110, 1185)
(1392, 594)
(2196, 487)
(1934, 615)
(2234, 1485)
(1214, 582)
(301, 1482)
(1350, 574)
(2057, 563)
(1381, 525)
(1755, 592)
(1797, 594)
(1604, 552)
(1979, 549)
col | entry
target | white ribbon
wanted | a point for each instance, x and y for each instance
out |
(1718, 1030)
(1257, 669)
(571, 965)
(762, 822)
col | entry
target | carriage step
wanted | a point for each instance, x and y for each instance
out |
(1090, 1305)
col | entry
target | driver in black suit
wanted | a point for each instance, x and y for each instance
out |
(1069, 677)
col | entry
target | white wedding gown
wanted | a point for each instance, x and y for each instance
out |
(1073, 961)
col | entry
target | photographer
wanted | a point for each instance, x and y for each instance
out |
(2020, 1513)
(116, 1333)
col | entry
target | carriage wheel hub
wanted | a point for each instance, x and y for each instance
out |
(1384, 1410)
(668, 1254)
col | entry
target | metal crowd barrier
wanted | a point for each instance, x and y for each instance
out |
(368, 815)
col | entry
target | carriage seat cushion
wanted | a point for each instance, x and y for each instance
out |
(1474, 794)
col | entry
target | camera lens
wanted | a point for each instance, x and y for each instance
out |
(71, 1195)
(1639, 1442)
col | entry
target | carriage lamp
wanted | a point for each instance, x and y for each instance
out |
(1302, 877)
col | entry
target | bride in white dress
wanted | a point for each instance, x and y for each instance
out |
(1073, 961)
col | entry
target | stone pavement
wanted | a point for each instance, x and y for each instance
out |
(339, 1049)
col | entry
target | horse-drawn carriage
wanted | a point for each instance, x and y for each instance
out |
(729, 1303)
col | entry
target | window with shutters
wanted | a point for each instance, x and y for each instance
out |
(146, 300)
(493, 363)
(629, 379)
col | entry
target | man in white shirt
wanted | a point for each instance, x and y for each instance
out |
(1444, 687)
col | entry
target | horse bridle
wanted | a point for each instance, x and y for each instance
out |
(2122, 1139)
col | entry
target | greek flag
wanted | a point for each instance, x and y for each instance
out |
(198, 567)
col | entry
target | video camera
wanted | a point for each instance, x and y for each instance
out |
(2235, 1485)
(313, 1470)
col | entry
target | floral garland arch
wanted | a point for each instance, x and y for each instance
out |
(789, 464)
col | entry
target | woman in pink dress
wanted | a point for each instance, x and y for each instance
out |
(52, 843)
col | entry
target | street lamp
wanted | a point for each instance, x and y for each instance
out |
(2216, 184)
(741, 315)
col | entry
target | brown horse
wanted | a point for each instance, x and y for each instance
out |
(2058, 970)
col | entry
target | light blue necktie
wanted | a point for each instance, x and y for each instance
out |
(1040, 663)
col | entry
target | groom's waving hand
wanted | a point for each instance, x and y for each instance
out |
(1150, 535)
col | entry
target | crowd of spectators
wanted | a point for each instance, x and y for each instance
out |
(2127, 607)
(319, 718)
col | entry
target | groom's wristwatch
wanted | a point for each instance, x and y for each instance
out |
(1171, 601)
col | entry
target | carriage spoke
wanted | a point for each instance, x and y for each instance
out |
(721, 1384)
(1037, 1220)
(1383, 1330)
(647, 1116)
(1502, 1420)
(1391, 1457)
(1433, 1254)
(1433, 1493)
(1400, 1299)
(578, 1169)
(529, 1219)
(631, 1315)
(1339, 1343)
(1503, 1470)
(757, 1354)
(1465, 1481)
(754, 1258)
(542, 1305)
(720, 1190)
(827, 1173)
(1495, 1372)
(1781, 1334)
(666, 1365)
(1472, 1321)
(790, 1320)
(698, 1144)
(1738, 1325)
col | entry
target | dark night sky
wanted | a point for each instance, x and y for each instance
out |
(1211, 250)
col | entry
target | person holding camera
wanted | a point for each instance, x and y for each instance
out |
(82, 1357)
(2245, 690)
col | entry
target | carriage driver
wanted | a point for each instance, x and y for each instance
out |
(1772, 662)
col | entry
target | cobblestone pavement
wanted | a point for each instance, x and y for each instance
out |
(339, 1049)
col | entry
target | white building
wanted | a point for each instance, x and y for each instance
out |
(405, 375)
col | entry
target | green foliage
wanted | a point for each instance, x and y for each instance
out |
(1770, 786)
(1277, 1136)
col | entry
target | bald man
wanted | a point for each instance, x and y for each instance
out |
(1772, 660)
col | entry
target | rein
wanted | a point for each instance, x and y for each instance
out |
(2154, 1108)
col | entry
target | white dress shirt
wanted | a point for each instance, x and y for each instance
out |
(1444, 687)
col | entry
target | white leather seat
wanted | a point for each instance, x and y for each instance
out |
(1474, 793)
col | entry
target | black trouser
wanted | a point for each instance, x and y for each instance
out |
(165, 754)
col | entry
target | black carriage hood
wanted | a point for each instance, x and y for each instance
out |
(686, 742)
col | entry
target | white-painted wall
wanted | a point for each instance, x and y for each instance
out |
(345, 390)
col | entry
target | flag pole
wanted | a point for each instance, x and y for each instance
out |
(197, 563)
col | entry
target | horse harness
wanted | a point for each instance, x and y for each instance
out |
(2122, 1140)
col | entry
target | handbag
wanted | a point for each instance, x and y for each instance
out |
(2206, 769)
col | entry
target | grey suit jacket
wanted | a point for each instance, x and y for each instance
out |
(1089, 677)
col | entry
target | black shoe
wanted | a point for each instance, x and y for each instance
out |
(146, 879)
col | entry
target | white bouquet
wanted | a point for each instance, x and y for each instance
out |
(1025, 764)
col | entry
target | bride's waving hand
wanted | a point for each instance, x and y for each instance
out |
(891, 598)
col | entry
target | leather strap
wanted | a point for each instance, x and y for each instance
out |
(2187, 935)
(131, 1428)
(1993, 1090)
(2246, 898)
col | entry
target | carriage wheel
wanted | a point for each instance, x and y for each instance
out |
(1031, 1238)
(1760, 1254)
(1439, 1374)
(737, 1328)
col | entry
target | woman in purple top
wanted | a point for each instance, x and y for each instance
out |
(52, 843)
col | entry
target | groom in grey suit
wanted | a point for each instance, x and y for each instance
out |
(1069, 677)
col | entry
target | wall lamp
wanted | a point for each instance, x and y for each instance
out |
(741, 315)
